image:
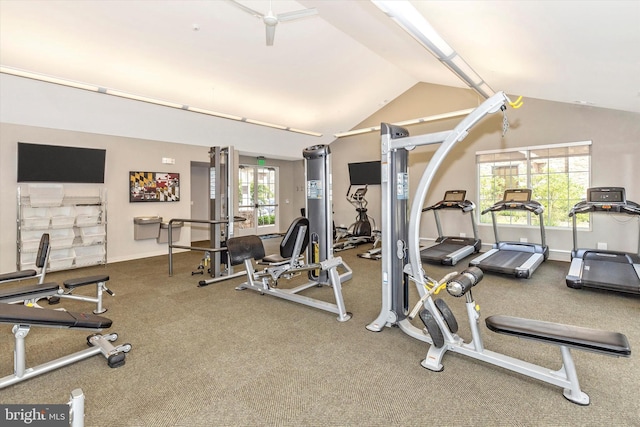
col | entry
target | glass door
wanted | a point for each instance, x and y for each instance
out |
(257, 200)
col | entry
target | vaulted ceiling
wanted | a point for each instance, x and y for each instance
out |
(325, 73)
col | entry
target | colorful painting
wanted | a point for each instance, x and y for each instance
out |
(154, 187)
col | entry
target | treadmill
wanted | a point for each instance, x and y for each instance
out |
(517, 258)
(604, 269)
(448, 250)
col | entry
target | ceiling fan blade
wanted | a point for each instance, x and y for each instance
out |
(246, 9)
(296, 14)
(271, 32)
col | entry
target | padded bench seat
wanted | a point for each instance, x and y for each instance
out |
(609, 343)
(21, 314)
(17, 275)
(88, 280)
(23, 293)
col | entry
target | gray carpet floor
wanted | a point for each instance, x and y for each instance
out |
(214, 356)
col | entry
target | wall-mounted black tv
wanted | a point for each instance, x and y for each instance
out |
(54, 163)
(364, 173)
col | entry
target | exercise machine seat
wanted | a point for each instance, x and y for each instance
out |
(245, 247)
(21, 314)
(288, 243)
(610, 343)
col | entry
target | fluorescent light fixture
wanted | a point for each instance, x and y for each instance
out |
(409, 18)
(305, 132)
(214, 113)
(120, 94)
(143, 98)
(408, 122)
(271, 125)
(464, 68)
(48, 79)
(412, 21)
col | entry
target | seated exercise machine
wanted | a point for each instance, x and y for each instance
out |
(30, 294)
(448, 250)
(517, 258)
(24, 318)
(359, 232)
(313, 232)
(604, 269)
(287, 264)
(401, 264)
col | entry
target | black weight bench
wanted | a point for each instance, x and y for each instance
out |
(29, 293)
(42, 260)
(18, 275)
(101, 287)
(565, 337)
(24, 317)
(599, 341)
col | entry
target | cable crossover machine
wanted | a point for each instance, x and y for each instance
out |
(401, 264)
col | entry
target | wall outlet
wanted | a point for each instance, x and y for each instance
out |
(463, 234)
(602, 246)
(523, 240)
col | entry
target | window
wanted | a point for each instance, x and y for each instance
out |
(257, 196)
(558, 176)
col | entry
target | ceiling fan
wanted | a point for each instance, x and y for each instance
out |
(270, 20)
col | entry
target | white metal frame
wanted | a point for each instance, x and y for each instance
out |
(398, 243)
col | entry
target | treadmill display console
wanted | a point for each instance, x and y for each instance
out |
(454, 196)
(606, 195)
(517, 195)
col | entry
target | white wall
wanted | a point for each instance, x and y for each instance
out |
(136, 136)
(35, 103)
(123, 155)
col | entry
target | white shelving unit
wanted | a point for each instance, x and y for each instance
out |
(74, 215)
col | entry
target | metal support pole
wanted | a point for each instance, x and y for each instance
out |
(76, 408)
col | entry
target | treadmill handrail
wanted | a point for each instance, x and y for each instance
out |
(504, 205)
(464, 206)
(629, 208)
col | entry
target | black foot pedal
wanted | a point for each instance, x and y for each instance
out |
(432, 327)
(447, 314)
(53, 300)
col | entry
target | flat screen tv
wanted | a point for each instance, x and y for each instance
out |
(54, 163)
(364, 173)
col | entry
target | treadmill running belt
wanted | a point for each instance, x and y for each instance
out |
(610, 275)
(505, 261)
(439, 251)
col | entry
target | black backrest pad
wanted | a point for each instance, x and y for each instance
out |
(246, 247)
(289, 240)
(41, 258)
(21, 314)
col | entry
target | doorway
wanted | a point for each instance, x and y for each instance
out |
(257, 200)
